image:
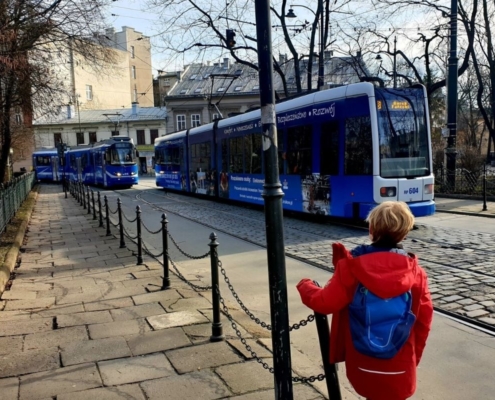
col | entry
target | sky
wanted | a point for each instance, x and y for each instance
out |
(129, 13)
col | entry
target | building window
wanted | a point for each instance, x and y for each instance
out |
(89, 92)
(80, 137)
(135, 94)
(115, 133)
(181, 122)
(153, 135)
(195, 120)
(18, 118)
(166, 82)
(140, 136)
(132, 52)
(133, 70)
(57, 138)
(92, 137)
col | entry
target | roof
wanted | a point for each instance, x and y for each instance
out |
(239, 79)
(98, 116)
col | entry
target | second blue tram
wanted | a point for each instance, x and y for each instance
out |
(341, 152)
(109, 163)
(47, 166)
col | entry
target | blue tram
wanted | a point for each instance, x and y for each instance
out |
(47, 166)
(340, 152)
(108, 163)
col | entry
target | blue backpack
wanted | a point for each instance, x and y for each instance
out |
(380, 327)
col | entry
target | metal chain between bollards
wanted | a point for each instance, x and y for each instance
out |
(182, 278)
(127, 219)
(184, 253)
(263, 324)
(226, 312)
(150, 231)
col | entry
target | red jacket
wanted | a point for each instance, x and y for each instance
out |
(386, 274)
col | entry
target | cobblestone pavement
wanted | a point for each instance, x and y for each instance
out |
(460, 264)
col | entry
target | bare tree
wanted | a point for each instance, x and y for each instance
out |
(34, 35)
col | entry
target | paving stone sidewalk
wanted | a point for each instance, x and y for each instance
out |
(82, 320)
(465, 206)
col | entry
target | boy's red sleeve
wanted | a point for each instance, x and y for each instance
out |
(335, 295)
(423, 320)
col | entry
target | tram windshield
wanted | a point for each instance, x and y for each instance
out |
(122, 153)
(403, 133)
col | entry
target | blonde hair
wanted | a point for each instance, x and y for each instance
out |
(390, 219)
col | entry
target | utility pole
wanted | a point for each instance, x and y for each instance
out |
(272, 194)
(452, 98)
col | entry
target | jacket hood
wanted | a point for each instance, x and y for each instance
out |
(386, 274)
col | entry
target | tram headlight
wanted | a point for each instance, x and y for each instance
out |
(388, 191)
(162, 172)
(429, 188)
(133, 173)
(119, 174)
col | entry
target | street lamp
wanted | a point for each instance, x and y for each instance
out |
(321, 65)
(116, 122)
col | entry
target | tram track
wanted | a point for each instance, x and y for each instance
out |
(349, 241)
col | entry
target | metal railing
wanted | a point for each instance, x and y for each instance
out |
(12, 194)
(479, 182)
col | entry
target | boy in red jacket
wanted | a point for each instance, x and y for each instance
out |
(386, 270)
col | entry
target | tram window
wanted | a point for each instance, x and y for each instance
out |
(329, 148)
(200, 157)
(252, 151)
(358, 146)
(73, 161)
(236, 155)
(299, 142)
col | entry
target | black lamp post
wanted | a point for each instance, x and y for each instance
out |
(321, 61)
(272, 194)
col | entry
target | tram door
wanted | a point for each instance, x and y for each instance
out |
(104, 171)
(95, 167)
(55, 168)
(79, 169)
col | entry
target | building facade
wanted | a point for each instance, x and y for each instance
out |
(205, 92)
(142, 124)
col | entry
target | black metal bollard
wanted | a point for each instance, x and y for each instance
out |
(216, 325)
(484, 187)
(83, 194)
(166, 278)
(107, 215)
(99, 210)
(139, 240)
(121, 224)
(93, 200)
(89, 202)
(331, 372)
(64, 183)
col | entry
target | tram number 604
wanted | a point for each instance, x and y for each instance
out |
(411, 191)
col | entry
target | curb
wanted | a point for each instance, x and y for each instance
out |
(465, 213)
(11, 258)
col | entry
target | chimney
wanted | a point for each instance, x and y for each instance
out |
(328, 54)
(226, 63)
(135, 107)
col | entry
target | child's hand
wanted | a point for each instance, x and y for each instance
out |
(339, 252)
(302, 282)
